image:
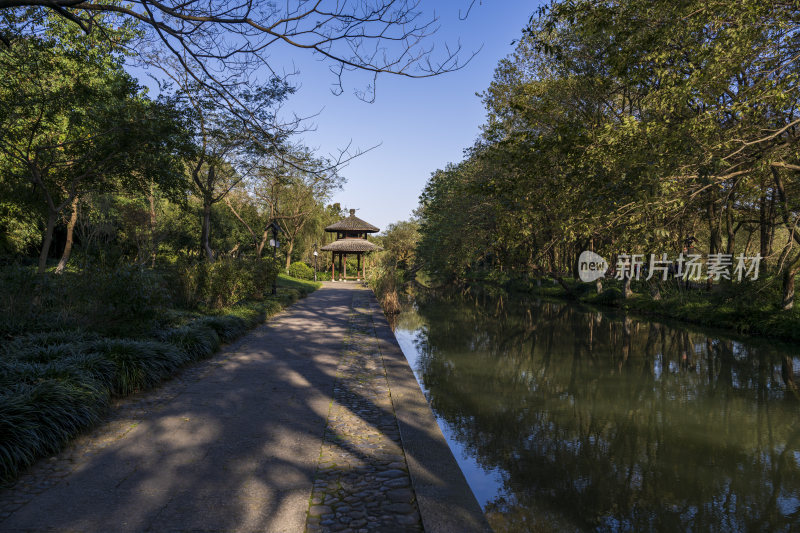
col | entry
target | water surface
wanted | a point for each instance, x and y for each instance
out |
(567, 419)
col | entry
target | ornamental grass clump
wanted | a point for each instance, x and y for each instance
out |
(37, 419)
(228, 327)
(139, 364)
(196, 340)
(46, 338)
(81, 369)
(251, 314)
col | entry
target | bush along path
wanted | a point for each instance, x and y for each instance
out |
(362, 481)
(55, 385)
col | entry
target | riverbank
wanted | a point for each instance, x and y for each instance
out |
(59, 383)
(312, 422)
(738, 309)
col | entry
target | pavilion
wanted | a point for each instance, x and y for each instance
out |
(351, 238)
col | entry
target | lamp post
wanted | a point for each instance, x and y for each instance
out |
(274, 243)
(315, 261)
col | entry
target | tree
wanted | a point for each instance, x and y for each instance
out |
(73, 121)
(628, 127)
(399, 242)
(226, 148)
(294, 195)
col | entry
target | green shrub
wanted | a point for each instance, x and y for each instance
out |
(109, 301)
(301, 270)
(126, 293)
(226, 281)
(609, 296)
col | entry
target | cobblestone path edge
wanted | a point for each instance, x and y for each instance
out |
(445, 501)
(361, 483)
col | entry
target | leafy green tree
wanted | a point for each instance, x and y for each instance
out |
(74, 121)
(629, 126)
(226, 149)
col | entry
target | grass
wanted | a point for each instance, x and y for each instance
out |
(55, 384)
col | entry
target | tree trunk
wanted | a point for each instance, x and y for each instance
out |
(289, 248)
(763, 226)
(263, 243)
(787, 301)
(208, 201)
(731, 229)
(205, 235)
(714, 231)
(73, 218)
(656, 293)
(626, 288)
(52, 217)
(153, 244)
(771, 214)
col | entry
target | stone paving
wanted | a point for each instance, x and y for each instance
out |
(229, 445)
(292, 428)
(362, 482)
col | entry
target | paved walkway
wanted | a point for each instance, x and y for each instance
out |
(362, 479)
(294, 427)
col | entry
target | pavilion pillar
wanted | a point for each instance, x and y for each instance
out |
(358, 268)
(333, 266)
(340, 267)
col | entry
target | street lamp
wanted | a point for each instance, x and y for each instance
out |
(274, 243)
(315, 261)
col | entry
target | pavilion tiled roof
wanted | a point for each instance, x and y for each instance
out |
(350, 245)
(352, 223)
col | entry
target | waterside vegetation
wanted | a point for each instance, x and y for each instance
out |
(634, 127)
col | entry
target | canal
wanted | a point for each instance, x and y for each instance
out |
(564, 418)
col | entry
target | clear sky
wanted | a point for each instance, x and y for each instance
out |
(420, 124)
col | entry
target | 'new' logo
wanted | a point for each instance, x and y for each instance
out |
(591, 266)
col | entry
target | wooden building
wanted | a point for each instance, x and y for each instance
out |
(351, 239)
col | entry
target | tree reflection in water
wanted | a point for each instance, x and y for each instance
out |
(610, 423)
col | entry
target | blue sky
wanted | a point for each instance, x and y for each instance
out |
(420, 124)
